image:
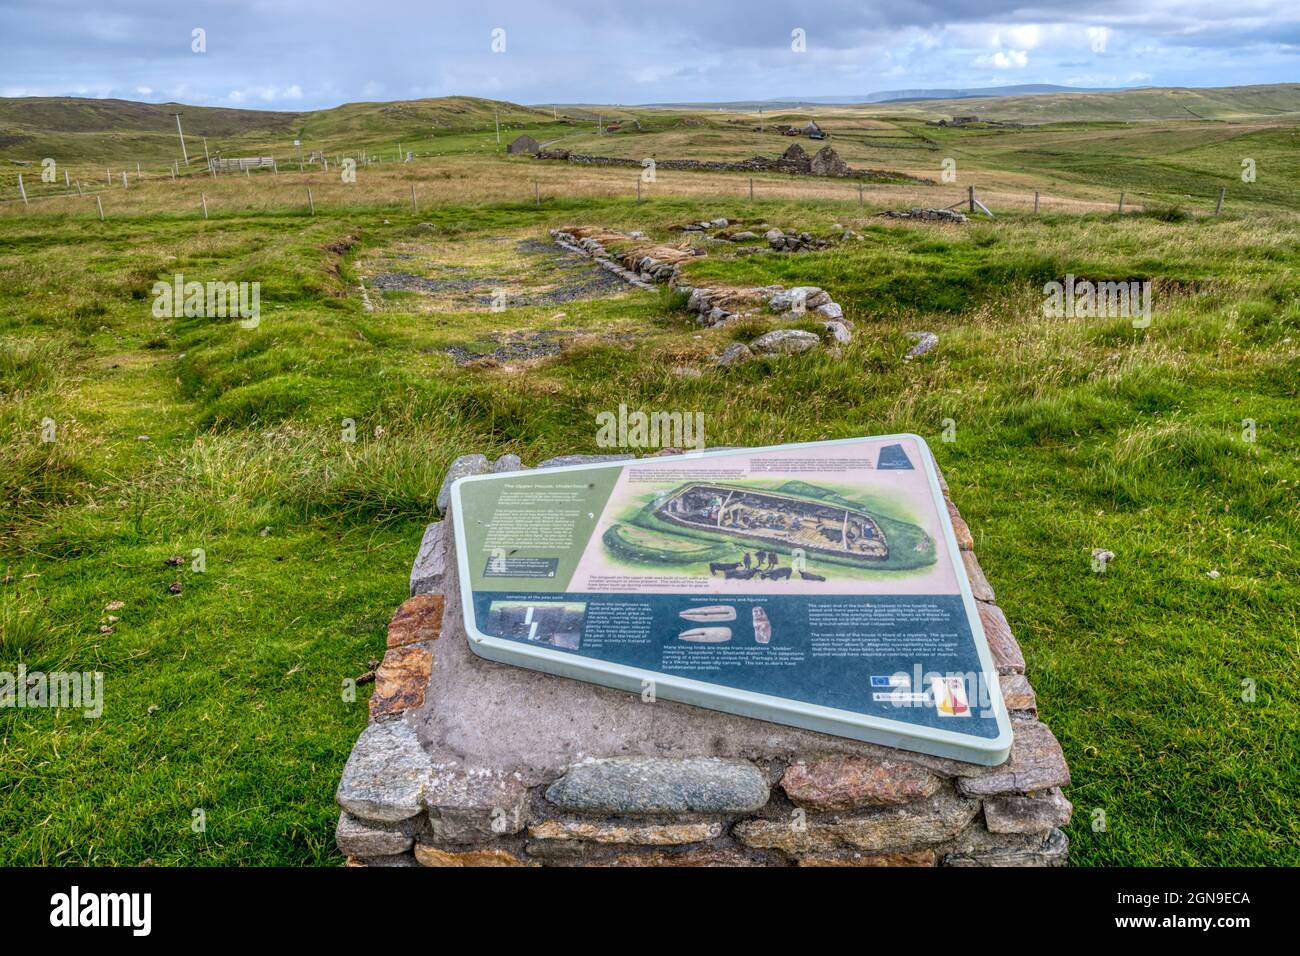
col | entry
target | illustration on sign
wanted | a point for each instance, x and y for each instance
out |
(817, 585)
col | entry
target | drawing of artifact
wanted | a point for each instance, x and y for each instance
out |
(762, 626)
(706, 635)
(712, 613)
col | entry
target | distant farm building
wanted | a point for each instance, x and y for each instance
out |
(524, 145)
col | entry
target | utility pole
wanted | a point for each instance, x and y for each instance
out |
(180, 132)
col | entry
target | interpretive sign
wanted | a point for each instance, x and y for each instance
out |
(817, 585)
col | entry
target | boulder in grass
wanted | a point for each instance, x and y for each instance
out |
(737, 353)
(785, 342)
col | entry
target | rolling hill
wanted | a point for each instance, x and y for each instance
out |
(78, 129)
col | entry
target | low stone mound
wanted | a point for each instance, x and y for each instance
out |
(930, 215)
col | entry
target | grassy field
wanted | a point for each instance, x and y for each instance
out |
(180, 434)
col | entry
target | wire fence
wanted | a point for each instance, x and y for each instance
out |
(321, 183)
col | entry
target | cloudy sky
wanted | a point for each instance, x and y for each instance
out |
(294, 54)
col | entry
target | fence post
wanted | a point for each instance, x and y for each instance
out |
(205, 204)
(1035, 202)
(100, 204)
(861, 201)
(751, 188)
(414, 207)
(638, 190)
(22, 190)
(310, 205)
(124, 185)
(970, 197)
(1121, 202)
(78, 187)
(173, 172)
(67, 182)
(1218, 206)
(537, 193)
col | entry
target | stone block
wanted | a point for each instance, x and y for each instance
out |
(924, 857)
(1030, 813)
(914, 825)
(1035, 763)
(467, 805)
(432, 856)
(430, 565)
(401, 680)
(417, 620)
(1054, 851)
(462, 467)
(1002, 644)
(362, 838)
(386, 774)
(979, 584)
(965, 541)
(641, 834)
(1017, 694)
(841, 782)
(398, 859)
(658, 785)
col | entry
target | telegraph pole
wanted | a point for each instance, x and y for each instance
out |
(181, 133)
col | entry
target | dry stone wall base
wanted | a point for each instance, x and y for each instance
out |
(714, 307)
(471, 763)
(825, 163)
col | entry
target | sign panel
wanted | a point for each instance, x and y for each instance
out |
(817, 585)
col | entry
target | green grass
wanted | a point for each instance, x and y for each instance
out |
(1070, 434)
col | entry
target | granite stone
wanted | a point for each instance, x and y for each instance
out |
(654, 785)
(430, 565)
(841, 782)
(386, 775)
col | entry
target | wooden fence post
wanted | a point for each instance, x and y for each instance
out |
(205, 204)
(414, 207)
(67, 182)
(311, 206)
(861, 201)
(751, 188)
(22, 191)
(970, 197)
(1121, 202)
(638, 190)
(100, 204)
(537, 193)
(78, 187)
(1035, 202)
(1218, 206)
(124, 185)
